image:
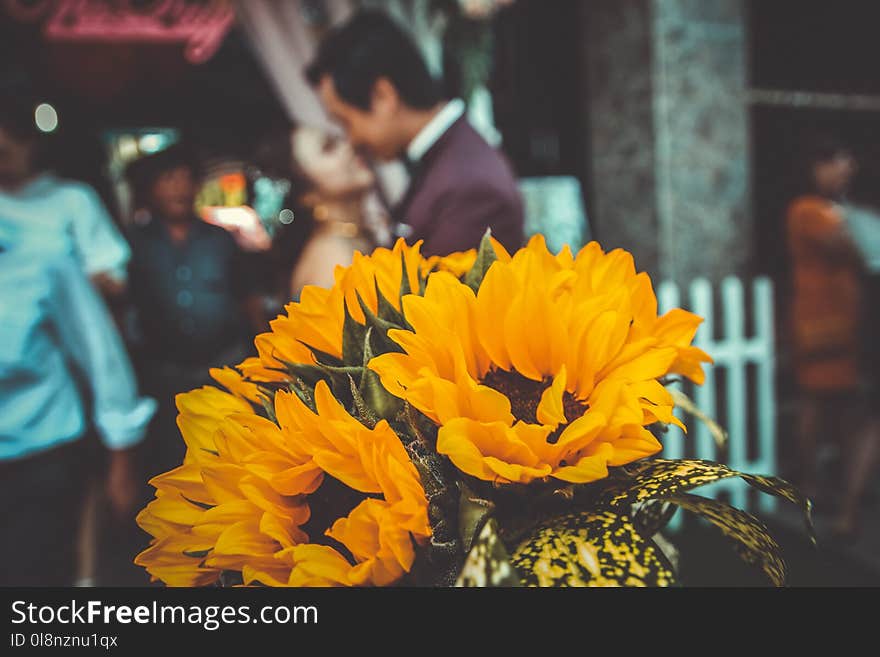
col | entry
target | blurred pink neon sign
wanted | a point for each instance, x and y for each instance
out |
(200, 26)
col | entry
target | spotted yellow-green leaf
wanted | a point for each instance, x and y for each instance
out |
(783, 489)
(659, 478)
(590, 548)
(752, 540)
(488, 563)
(651, 516)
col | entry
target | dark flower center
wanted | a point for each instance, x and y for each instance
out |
(525, 395)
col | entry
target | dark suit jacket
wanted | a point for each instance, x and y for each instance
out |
(459, 188)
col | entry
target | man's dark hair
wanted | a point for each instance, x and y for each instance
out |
(148, 168)
(141, 174)
(370, 46)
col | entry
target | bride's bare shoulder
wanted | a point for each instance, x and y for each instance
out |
(320, 256)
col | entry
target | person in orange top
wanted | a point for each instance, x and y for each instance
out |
(825, 321)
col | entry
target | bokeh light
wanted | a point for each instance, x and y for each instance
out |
(46, 117)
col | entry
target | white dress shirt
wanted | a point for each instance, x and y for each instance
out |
(436, 128)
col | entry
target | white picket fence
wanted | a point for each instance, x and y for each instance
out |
(733, 406)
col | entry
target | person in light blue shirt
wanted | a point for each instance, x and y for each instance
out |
(56, 338)
(52, 204)
(34, 196)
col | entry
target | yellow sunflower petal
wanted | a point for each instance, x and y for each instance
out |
(689, 364)
(468, 444)
(318, 565)
(636, 443)
(592, 465)
(550, 409)
(493, 300)
(235, 383)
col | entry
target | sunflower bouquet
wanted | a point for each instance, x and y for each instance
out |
(480, 419)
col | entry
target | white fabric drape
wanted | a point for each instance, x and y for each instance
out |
(284, 45)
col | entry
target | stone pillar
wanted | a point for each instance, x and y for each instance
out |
(669, 134)
(619, 86)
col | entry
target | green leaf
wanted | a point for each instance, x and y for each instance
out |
(404, 277)
(336, 377)
(268, 404)
(352, 340)
(381, 343)
(301, 390)
(412, 419)
(383, 403)
(386, 311)
(321, 357)
(308, 374)
(591, 548)
(488, 563)
(752, 540)
(365, 414)
(485, 257)
(473, 511)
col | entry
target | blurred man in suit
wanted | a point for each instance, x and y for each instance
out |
(372, 79)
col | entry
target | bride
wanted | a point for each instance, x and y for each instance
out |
(331, 188)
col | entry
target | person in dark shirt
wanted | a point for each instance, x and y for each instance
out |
(194, 307)
(193, 295)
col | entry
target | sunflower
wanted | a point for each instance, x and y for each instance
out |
(316, 321)
(238, 499)
(549, 370)
(370, 468)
